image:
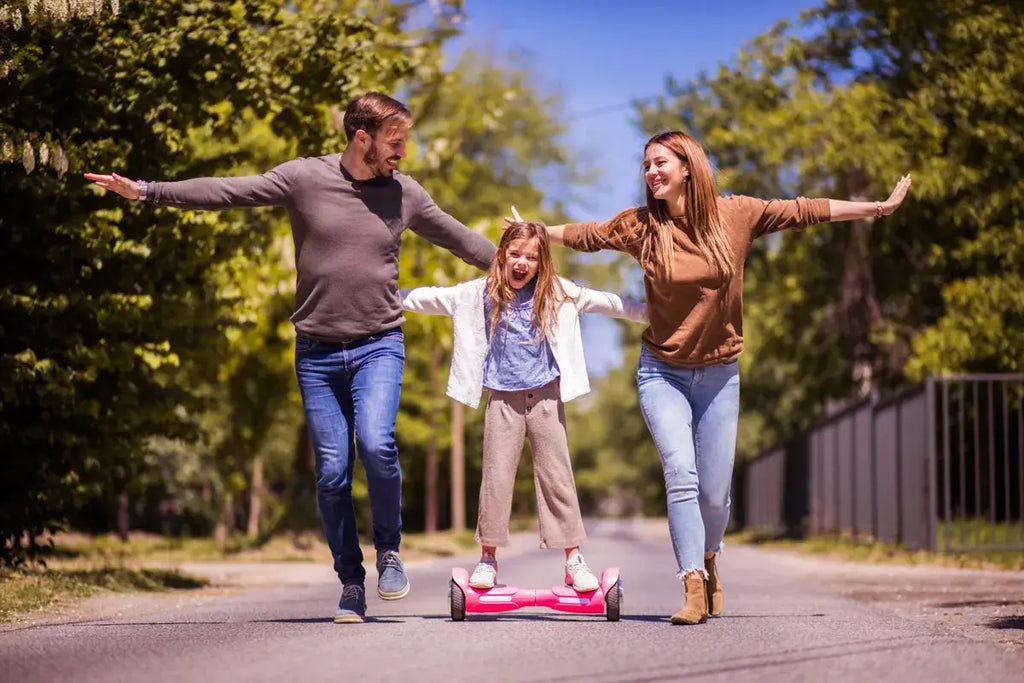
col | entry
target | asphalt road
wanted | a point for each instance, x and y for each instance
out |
(787, 618)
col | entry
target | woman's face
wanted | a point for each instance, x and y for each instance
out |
(664, 172)
(522, 257)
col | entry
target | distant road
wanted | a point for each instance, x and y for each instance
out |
(788, 618)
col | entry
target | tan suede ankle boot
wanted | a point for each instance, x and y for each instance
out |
(695, 609)
(716, 596)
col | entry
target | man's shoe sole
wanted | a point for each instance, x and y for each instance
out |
(348, 619)
(394, 595)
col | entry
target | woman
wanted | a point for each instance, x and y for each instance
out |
(691, 244)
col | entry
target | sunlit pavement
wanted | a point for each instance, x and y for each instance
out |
(788, 618)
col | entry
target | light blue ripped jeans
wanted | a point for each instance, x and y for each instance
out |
(692, 414)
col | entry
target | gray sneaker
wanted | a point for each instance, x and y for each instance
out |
(392, 583)
(352, 606)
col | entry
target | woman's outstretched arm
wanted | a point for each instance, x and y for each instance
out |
(849, 211)
(555, 232)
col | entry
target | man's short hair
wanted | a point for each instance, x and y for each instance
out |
(372, 111)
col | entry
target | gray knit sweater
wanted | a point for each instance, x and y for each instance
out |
(347, 234)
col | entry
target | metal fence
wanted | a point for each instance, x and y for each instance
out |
(938, 467)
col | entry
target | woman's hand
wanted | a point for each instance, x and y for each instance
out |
(554, 232)
(516, 218)
(899, 193)
(840, 210)
(129, 189)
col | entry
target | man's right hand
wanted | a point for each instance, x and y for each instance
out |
(128, 189)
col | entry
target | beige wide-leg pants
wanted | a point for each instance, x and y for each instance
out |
(539, 416)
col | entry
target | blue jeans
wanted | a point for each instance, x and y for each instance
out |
(350, 393)
(692, 414)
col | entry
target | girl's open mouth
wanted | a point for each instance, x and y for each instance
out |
(519, 274)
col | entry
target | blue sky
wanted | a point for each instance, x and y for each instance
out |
(602, 54)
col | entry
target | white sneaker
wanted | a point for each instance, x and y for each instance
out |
(484, 576)
(579, 576)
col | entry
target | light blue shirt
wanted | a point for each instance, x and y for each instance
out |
(517, 357)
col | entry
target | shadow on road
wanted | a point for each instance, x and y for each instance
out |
(1016, 622)
(980, 603)
(529, 616)
(151, 623)
(767, 616)
(767, 660)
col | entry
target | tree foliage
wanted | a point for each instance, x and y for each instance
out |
(113, 313)
(839, 106)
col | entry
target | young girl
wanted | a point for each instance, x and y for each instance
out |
(517, 332)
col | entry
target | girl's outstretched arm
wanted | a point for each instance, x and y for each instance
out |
(611, 304)
(849, 211)
(431, 300)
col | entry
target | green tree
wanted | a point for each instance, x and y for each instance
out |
(860, 92)
(105, 307)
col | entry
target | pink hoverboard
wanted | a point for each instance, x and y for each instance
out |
(607, 599)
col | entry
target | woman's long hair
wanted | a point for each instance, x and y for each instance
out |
(701, 195)
(548, 292)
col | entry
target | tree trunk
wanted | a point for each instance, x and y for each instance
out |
(859, 303)
(122, 517)
(458, 470)
(430, 523)
(226, 523)
(300, 497)
(303, 463)
(252, 530)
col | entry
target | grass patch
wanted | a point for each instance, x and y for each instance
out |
(849, 550)
(73, 550)
(23, 592)
(77, 551)
(439, 544)
(965, 534)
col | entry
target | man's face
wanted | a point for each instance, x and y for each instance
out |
(386, 149)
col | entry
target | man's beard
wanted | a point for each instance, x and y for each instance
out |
(372, 160)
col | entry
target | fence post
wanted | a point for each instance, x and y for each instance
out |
(933, 499)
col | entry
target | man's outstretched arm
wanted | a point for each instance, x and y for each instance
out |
(441, 229)
(269, 189)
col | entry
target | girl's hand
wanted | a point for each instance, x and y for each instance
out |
(125, 187)
(899, 193)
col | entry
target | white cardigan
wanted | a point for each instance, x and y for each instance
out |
(464, 303)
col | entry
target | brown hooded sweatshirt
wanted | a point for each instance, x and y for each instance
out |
(696, 317)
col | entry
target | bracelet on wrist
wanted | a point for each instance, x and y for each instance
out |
(142, 190)
(878, 209)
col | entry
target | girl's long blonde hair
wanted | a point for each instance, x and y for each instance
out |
(548, 292)
(701, 212)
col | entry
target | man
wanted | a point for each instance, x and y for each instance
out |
(347, 212)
